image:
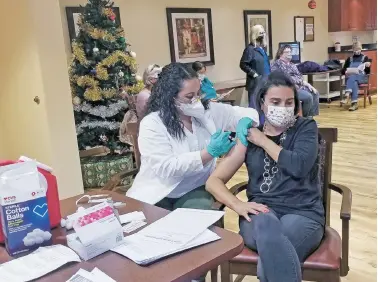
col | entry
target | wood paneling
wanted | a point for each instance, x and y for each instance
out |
(354, 165)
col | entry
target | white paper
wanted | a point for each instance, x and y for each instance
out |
(134, 225)
(132, 216)
(96, 275)
(146, 250)
(299, 30)
(41, 262)
(182, 225)
(309, 29)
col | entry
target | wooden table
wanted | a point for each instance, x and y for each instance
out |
(181, 267)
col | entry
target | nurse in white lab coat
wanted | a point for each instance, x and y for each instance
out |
(180, 139)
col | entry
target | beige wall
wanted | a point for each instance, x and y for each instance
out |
(145, 24)
(33, 63)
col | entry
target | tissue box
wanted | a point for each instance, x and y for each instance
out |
(97, 230)
(97, 170)
(23, 208)
(97, 246)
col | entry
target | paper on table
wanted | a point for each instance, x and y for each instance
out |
(182, 225)
(132, 216)
(146, 250)
(44, 260)
(134, 225)
(96, 275)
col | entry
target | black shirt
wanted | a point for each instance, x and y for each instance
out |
(295, 188)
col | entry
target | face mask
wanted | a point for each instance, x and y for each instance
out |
(280, 117)
(195, 109)
(357, 52)
(201, 76)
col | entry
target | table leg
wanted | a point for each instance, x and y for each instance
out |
(226, 276)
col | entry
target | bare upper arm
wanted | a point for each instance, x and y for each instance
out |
(231, 163)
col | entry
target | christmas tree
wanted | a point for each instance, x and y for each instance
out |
(101, 71)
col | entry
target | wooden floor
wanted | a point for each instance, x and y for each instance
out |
(354, 165)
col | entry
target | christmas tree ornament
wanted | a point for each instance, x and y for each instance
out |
(95, 50)
(122, 39)
(93, 72)
(76, 101)
(132, 54)
(312, 4)
(112, 18)
(138, 77)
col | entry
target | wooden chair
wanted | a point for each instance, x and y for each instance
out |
(115, 180)
(330, 261)
(365, 88)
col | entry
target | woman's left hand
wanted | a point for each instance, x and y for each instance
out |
(256, 137)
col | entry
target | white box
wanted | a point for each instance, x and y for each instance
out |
(96, 232)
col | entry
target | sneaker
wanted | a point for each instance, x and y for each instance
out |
(345, 100)
(354, 107)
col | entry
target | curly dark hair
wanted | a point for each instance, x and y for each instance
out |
(163, 96)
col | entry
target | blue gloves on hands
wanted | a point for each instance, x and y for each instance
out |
(220, 144)
(242, 130)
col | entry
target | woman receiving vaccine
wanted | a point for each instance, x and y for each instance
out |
(180, 139)
(283, 219)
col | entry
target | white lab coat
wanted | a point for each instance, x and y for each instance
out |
(173, 167)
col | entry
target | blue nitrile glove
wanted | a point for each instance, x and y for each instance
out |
(242, 130)
(220, 144)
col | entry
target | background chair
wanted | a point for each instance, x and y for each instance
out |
(330, 261)
(364, 88)
(114, 183)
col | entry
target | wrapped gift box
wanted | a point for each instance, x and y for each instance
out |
(97, 170)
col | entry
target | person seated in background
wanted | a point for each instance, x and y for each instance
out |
(207, 87)
(355, 69)
(150, 76)
(283, 219)
(307, 94)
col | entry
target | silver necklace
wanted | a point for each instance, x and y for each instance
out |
(265, 186)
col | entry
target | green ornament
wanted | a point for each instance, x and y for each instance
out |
(122, 39)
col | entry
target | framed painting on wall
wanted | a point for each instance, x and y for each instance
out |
(190, 35)
(258, 17)
(73, 14)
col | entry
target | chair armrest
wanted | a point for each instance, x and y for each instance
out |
(345, 215)
(117, 178)
(236, 189)
(346, 202)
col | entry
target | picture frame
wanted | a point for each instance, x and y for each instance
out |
(262, 17)
(190, 34)
(73, 14)
(304, 28)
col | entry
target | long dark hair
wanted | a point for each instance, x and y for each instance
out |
(164, 92)
(276, 78)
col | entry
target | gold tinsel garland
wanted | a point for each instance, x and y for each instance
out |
(136, 88)
(79, 54)
(97, 33)
(101, 68)
(108, 12)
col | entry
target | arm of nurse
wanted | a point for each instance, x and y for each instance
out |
(156, 149)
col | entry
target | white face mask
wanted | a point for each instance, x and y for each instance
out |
(281, 117)
(194, 109)
(201, 76)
